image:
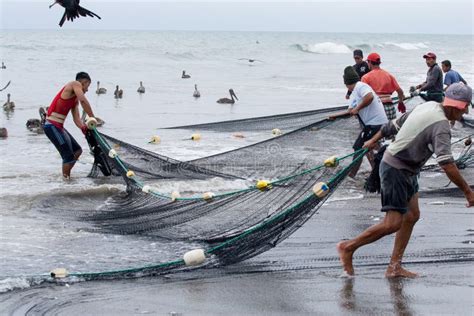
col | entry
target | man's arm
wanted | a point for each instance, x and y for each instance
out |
(77, 87)
(76, 117)
(401, 95)
(341, 114)
(387, 130)
(366, 100)
(455, 176)
(431, 79)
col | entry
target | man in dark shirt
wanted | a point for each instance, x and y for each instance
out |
(361, 67)
(434, 80)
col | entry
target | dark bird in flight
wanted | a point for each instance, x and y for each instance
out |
(72, 10)
(251, 60)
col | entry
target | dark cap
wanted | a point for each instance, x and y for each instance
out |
(429, 55)
(350, 75)
(358, 53)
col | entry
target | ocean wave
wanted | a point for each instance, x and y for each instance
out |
(323, 48)
(405, 46)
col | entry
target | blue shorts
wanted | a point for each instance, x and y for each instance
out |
(63, 141)
(398, 186)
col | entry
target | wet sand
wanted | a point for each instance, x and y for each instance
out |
(300, 276)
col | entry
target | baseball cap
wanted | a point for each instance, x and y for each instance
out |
(429, 55)
(458, 95)
(358, 53)
(374, 57)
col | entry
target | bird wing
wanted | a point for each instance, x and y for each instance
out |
(84, 12)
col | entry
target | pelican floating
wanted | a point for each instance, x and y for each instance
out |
(9, 105)
(184, 75)
(3, 132)
(227, 100)
(72, 10)
(99, 89)
(196, 93)
(141, 88)
(118, 93)
(3, 66)
(34, 125)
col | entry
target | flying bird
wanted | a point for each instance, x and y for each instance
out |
(72, 10)
(251, 60)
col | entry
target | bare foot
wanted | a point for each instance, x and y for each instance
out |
(396, 271)
(346, 257)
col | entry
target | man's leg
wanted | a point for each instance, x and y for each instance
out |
(391, 223)
(401, 241)
(67, 167)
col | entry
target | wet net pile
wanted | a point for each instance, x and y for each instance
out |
(229, 226)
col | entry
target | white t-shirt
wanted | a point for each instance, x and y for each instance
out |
(374, 113)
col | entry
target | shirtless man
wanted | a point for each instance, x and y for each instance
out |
(67, 100)
(420, 133)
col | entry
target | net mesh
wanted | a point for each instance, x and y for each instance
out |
(284, 122)
(281, 155)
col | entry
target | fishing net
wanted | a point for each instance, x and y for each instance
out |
(284, 122)
(281, 155)
(231, 226)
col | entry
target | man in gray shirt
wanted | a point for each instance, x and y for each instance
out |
(434, 80)
(420, 133)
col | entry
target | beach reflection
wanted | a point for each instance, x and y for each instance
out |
(349, 302)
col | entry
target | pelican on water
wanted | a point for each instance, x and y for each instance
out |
(3, 132)
(141, 88)
(72, 10)
(227, 100)
(9, 105)
(196, 93)
(184, 75)
(34, 125)
(118, 93)
(3, 66)
(99, 89)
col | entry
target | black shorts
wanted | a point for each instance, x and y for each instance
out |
(398, 186)
(63, 141)
(367, 133)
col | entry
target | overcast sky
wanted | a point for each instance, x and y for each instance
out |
(422, 16)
